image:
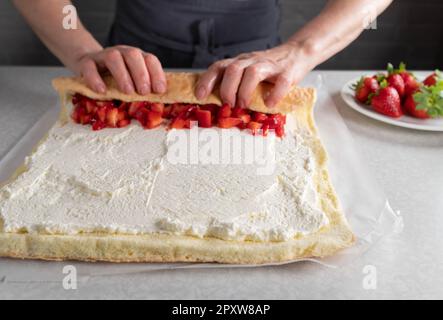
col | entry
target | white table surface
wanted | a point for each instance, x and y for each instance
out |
(407, 164)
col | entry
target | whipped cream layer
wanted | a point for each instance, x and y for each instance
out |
(185, 182)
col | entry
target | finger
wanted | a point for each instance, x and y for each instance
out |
(91, 76)
(156, 73)
(113, 60)
(281, 88)
(208, 80)
(231, 80)
(252, 76)
(138, 70)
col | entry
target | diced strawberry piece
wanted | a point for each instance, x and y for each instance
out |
(188, 123)
(121, 115)
(211, 107)
(273, 121)
(91, 107)
(225, 111)
(142, 115)
(179, 109)
(280, 131)
(259, 116)
(101, 114)
(204, 118)
(112, 117)
(178, 123)
(237, 112)
(254, 127)
(107, 104)
(245, 118)
(85, 119)
(98, 125)
(167, 111)
(124, 106)
(265, 129)
(123, 123)
(134, 106)
(154, 119)
(77, 114)
(157, 107)
(229, 122)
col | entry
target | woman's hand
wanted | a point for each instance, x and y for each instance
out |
(284, 66)
(133, 70)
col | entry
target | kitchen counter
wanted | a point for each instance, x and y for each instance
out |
(407, 164)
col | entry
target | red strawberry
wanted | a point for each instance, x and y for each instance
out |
(433, 78)
(112, 117)
(245, 118)
(410, 106)
(134, 106)
(225, 111)
(364, 87)
(101, 114)
(157, 107)
(98, 125)
(90, 106)
(259, 117)
(396, 81)
(85, 119)
(254, 126)
(213, 108)
(77, 113)
(387, 101)
(167, 111)
(123, 123)
(280, 131)
(430, 80)
(108, 104)
(411, 84)
(121, 115)
(141, 115)
(265, 129)
(204, 118)
(237, 112)
(154, 119)
(177, 123)
(229, 122)
(179, 109)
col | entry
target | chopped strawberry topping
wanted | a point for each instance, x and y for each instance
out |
(227, 123)
(204, 118)
(112, 117)
(118, 114)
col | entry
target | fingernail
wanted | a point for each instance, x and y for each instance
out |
(201, 92)
(100, 88)
(144, 89)
(160, 87)
(128, 88)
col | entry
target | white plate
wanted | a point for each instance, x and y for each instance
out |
(405, 121)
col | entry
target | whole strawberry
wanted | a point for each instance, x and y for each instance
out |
(426, 102)
(410, 107)
(433, 78)
(411, 84)
(364, 88)
(387, 101)
(396, 81)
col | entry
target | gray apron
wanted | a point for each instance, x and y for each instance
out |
(196, 33)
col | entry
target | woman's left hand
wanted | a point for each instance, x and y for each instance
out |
(284, 66)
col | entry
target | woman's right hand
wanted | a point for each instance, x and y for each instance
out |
(133, 69)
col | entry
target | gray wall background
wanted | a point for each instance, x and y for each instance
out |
(410, 31)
